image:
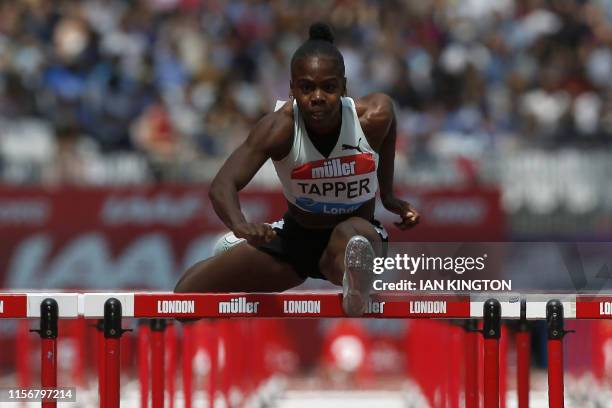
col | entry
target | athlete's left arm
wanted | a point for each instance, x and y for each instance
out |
(383, 118)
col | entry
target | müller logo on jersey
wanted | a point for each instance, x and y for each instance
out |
(334, 168)
(335, 186)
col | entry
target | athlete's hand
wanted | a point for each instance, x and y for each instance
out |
(255, 234)
(410, 216)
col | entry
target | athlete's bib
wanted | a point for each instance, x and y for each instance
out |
(339, 184)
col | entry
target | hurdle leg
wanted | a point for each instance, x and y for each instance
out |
(78, 330)
(171, 369)
(471, 367)
(554, 321)
(101, 361)
(503, 366)
(112, 352)
(454, 381)
(187, 346)
(143, 362)
(523, 358)
(22, 353)
(491, 333)
(158, 327)
(48, 334)
(214, 364)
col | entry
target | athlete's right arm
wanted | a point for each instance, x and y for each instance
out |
(271, 137)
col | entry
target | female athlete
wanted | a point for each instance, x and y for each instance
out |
(331, 154)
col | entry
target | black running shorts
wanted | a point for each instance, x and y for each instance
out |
(302, 247)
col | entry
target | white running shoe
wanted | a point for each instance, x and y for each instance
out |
(358, 275)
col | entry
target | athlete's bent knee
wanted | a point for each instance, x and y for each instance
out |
(344, 231)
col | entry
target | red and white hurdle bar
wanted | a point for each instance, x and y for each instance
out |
(491, 308)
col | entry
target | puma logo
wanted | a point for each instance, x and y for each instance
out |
(348, 146)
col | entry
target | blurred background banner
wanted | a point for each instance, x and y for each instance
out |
(144, 237)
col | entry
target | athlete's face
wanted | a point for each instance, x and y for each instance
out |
(317, 85)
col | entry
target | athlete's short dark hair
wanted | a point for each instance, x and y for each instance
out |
(320, 43)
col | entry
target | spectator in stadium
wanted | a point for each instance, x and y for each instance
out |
(530, 73)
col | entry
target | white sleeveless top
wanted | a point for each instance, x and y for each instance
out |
(338, 184)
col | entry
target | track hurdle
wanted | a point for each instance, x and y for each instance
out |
(112, 308)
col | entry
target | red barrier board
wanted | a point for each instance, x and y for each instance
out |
(295, 305)
(12, 306)
(144, 237)
(594, 307)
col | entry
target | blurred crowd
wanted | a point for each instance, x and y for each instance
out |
(108, 91)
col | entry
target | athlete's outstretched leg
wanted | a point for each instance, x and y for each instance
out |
(348, 261)
(241, 268)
